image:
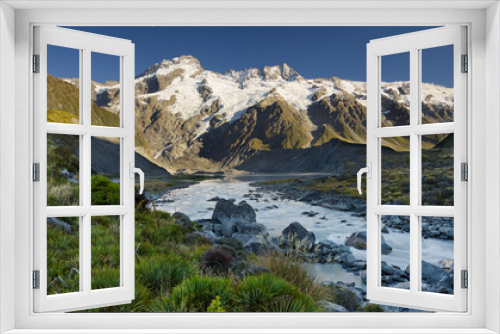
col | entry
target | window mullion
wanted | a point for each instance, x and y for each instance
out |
(414, 170)
(85, 184)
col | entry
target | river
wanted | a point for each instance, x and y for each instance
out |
(276, 214)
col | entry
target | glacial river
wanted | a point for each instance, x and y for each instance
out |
(276, 214)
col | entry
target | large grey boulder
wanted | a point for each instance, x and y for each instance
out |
(183, 220)
(434, 275)
(229, 215)
(358, 241)
(297, 235)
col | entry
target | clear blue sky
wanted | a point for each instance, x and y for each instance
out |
(311, 51)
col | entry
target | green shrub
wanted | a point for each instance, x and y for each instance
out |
(196, 294)
(63, 257)
(161, 275)
(215, 306)
(300, 303)
(233, 243)
(105, 277)
(292, 268)
(217, 260)
(138, 304)
(266, 292)
(344, 297)
(372, 308)
(104, 191)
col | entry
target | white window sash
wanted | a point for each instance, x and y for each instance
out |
(87, 43)
(413, 43)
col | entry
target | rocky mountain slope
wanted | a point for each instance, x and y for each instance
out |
(189, 118)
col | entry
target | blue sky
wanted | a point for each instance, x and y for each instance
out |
(311, 51)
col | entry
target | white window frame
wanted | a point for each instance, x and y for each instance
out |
(85, 44)
(414, 44)
(483, 294)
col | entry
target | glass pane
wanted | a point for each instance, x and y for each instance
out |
(395, 252)
(105, 186)
(395, 89)
(105, 90)
(437, 170)
(63, 170)
(63, 251)
(63, 92)
(437, 84)
(105, 252)
(437, 254)
(395, 171)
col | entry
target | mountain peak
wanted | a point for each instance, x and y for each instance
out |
(282, 70)
(167, 65)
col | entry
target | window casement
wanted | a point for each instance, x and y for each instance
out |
(83, 295)
(413, 136)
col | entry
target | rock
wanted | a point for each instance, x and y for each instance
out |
(310, 213)
(358, 241)
(296, 234)
(228, 214)
(433, 275)
(331, 307)
(59, 223)
(214, 199)
(343, 221)
(241, 237)
(183, 220)
(402, 285)
(259, 246)
(207, 234)
(384, 229)
(387, 269)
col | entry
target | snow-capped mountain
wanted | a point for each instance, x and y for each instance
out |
(189, 117)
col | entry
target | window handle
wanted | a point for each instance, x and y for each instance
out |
(134, 170)
(368, 171)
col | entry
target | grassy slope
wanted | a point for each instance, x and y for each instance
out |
(63, 105)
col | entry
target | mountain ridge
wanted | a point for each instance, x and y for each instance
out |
(190, 118)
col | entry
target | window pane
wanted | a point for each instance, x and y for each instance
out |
(63, 92)
(105, 90)
(395, 89)
(63, 170)
(105, 186)
(437, 254)
(395, 252)
(437, 84)
(105, 252)
(437, 170)
(395, 171)
(63, 263)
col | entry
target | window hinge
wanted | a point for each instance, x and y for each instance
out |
(36, 63)
(465, 64)
(36, 172)
(36, 279)
(465, 279)
(464, 171)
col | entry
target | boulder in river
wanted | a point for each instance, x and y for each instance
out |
(435, 276)
(229, 214)
(297, 235)
(358, 241)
